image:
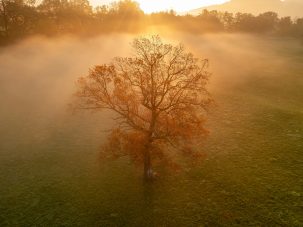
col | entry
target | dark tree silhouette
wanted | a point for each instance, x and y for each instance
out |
(4, 16)
(21, 18)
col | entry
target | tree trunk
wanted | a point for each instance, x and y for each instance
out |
(148, 173)
(5, 19)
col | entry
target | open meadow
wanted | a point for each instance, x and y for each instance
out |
(50, 173)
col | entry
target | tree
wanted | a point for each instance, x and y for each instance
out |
(298, 28)
(4, 16)
(285, 26)
(17, 17)
(126, 8)
(245, 22)
(211, 20)
(267, 21)
(160, 99)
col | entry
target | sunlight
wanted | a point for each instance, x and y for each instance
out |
(151, 113)
(150, 6)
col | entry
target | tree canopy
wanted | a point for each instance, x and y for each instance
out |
(160, 99)
(21, 18)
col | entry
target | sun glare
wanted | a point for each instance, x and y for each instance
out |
(151, 6)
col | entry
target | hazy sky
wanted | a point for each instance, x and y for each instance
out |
(158, 5)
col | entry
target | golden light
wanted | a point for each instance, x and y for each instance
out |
(150, 6)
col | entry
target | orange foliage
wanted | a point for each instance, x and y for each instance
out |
(160, 99)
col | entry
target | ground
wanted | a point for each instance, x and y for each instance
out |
(251, 176)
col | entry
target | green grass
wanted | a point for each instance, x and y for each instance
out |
(252, 175)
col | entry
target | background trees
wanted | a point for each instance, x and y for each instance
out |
(159, 97)
(20, 18)
(17, 17)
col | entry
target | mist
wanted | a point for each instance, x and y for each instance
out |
(50, 171)
(291, 8)
(38, 79)
(38, 75)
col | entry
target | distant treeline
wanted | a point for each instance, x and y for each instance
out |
(21, 18)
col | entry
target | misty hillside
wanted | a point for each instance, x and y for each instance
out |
(292, 8)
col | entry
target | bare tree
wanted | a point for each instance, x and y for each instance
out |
(159, 96)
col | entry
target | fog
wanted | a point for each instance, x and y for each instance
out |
(291, 8)
(37, 82)
(37, 78)
(50, 174)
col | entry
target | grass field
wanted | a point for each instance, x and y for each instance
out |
(252, 174)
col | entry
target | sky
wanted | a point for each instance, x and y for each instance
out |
(149, 6)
